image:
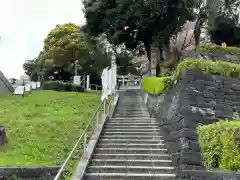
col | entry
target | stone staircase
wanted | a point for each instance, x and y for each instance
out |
(130, 145)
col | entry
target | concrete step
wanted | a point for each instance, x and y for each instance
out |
(133, 141)
(131, 150)
(124, 133)
(132, 114)
(126, 162)
(128, 176)
(132, 130)
(141, 133)
(132, 118)
(132, 110)
(135, 111)
(135, 156)
(131, 121)
(109, 123)
(130, 145)
(142, 137)
(130, 169)
(129, 127)
(140, 116)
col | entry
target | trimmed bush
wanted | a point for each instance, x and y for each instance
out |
(61, 86)
(166, 71)
(221, 68)
(219, 49)
(218, 145)
(156, 86)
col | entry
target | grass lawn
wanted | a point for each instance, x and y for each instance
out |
(43, 127)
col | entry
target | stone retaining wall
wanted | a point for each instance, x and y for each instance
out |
(195, 100)
(20, 173)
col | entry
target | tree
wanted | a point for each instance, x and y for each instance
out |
(211, 11)
(136, 23)
(63, 46)
(31, 68)
(226, 24)
(225, 30)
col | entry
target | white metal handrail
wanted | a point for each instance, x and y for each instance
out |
(106, 112)
(83, 80)
(128, 82)
(96, 86)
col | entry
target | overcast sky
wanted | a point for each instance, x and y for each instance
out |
(25, 23)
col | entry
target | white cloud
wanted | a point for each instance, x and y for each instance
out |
(24, 25)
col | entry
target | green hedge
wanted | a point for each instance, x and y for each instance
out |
(219, 140)
(219, 49)
(61, 86)
(221, 68)
(156, 86)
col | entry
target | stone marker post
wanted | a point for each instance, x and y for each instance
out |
(3, 138)
(77, 80)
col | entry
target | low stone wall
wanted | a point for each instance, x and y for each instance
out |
(195, 100)
(38, 173)
(213, 56)
(206, 175)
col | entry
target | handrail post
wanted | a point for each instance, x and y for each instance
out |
(85, 143)
(97, 120)
(109, 107)
(104, 109)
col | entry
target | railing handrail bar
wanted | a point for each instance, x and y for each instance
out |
(79, 139)
(83, 79)
(96, 85)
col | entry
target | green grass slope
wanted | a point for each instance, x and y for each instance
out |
(43, 126)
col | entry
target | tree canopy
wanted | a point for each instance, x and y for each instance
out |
(225, 30)
(65, 47)
(136, 22)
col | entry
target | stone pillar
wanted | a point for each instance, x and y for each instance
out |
(88, 83)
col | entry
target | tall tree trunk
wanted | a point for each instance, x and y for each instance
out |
(169, 58)
(149, 56)
(159, 61)
(203, 15)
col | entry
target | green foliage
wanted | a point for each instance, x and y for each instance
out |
(219, 49)
(155, 85)
(136, 23)
(225, 29)
(64, 45)
(31, 68)
(218, 140)
(167, 71)
(61, 86)
(221, 68)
